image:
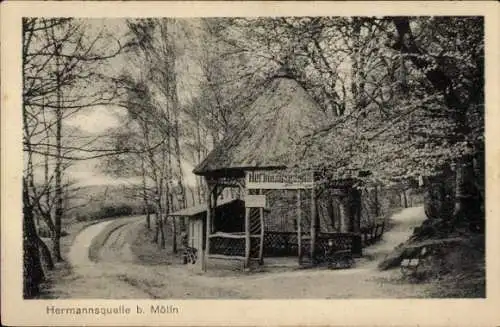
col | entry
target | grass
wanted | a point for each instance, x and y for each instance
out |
(460, 271)
(149, 253)
(453, 270)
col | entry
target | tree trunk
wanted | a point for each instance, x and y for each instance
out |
(199, 180)
(145, 195)
(376, 203)
(174, 235)
(438, 203)
(32, 266)
(157, 227)
(48, 218)
(162, 233)
(45, 254)
(148, 218)
(56, 248)
(433, 201)
(356, 80)
(192, 197)
(405, 200)
(467, 199)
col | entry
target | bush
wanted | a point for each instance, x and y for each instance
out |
(115, 211)
(81, 218)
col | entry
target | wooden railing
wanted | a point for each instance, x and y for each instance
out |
(228, 245)
(277, 244)
(232, 245)
(372, 234)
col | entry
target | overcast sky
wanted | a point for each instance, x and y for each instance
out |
(99, 119)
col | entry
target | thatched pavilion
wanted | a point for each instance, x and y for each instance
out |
(262, 161)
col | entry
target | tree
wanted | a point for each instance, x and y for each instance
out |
(452, 59)
(402, 106)
(62, 75)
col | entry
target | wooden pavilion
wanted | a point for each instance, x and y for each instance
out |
(261, 161)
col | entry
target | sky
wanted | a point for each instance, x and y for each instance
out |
(97, 121)
(101, 118)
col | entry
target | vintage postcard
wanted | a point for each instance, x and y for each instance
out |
(250, 163)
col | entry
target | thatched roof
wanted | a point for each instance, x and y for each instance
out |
(273, 132)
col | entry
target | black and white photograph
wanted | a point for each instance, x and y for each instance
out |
(284, 157)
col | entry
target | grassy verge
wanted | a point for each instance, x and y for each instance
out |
(149, 253)
(460, 271)
(453, 270)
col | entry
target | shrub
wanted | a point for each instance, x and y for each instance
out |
(81, 218)
(114, 211)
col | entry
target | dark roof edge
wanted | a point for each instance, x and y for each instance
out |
(200, 172)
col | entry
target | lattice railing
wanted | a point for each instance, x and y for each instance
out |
(227, 244)
(280, 244)
(340, 241)
(255, 231)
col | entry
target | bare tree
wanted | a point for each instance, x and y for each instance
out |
(61, 76)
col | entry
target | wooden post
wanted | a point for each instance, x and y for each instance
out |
(355, 204)
(344, 213)
(355, 211)
(299, 227)
(313, 224)
(208, 226)
(214, 207)
(261, 248)
(247, 236)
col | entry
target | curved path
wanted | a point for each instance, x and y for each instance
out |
(79, 254)
(116, 274)
(98, 279)
(403, 224)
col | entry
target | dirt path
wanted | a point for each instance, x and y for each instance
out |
(79, 254)
(95, 280)
(118, 275)
(403, 224)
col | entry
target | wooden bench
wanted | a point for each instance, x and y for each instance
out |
(411, 262)
(340, 259)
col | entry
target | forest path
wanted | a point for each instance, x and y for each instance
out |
(403, 224)
(117, 275)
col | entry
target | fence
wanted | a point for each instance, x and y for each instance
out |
(277, 244)
(281, 225)
(371, 234)
(227, 244)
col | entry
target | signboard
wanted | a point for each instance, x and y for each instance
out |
(277, 180)
(255, 201)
